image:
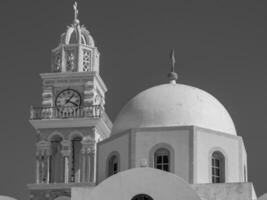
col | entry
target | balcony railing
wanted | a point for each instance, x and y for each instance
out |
(38, 113)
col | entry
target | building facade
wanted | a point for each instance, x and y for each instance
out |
(171, 141)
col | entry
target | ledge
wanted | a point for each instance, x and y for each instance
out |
(44, 186)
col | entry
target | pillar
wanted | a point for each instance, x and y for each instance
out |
(37, 168)
(88, 162)
(89, 174)
(48, 156)
(83, 167)
(93, 165)
(42, 162)
(66, 152)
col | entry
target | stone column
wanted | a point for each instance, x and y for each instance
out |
(48, 155)
(83, 167)
(42, 164)
(66, 152)
(37, 168)
(92, 160)
(88, 145)
(66, 169)
(89, 167)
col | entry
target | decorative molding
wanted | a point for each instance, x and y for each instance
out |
(55, 133)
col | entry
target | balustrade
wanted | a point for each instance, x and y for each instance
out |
(38, 113)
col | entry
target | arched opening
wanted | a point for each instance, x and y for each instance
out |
(73, 38)
(56, 162)
(76, 147)
(142, 197)
(218, 167)
(162, 159)
(83, 39)
(113, 164)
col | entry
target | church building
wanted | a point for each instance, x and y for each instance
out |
(169, 142)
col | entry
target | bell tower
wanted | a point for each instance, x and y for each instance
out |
(71, 118)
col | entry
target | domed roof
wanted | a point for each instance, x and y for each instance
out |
(76, 34)
(174, 105)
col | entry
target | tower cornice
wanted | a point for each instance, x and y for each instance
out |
(85, 76)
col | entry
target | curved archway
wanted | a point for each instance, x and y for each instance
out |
(55, 134)
(142, 197)
(75, 133)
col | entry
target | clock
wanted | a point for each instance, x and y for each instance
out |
(68, 101)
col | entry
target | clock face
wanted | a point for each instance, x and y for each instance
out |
(68, 101)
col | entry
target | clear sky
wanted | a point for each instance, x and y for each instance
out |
(220, 47)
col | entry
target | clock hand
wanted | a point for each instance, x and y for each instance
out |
(68, 100)
(73, 103)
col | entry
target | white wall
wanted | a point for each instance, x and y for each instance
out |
(120, 144)
(192, 149)
(178, 138)
(207, 141)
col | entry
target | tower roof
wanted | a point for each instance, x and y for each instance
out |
(76, 51)
(76, 34)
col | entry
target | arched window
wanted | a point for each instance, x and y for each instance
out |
(142, 197)
(162, 159)
(76, 159)
(56, 163)
(218, 167)
(113, 165)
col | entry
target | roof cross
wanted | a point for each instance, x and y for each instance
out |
(75, 11)
(172, 75)
(172, 59)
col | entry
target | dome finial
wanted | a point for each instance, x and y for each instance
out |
(75, 21)
(172, 75)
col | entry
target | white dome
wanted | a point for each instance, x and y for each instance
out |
(174, 105)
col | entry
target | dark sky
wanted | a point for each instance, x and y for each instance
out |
(220, 47)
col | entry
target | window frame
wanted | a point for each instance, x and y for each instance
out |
(162, 159)
(112, 156)
(217, 167)
(171, 155)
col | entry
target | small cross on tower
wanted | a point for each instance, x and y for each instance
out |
(76, 21)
